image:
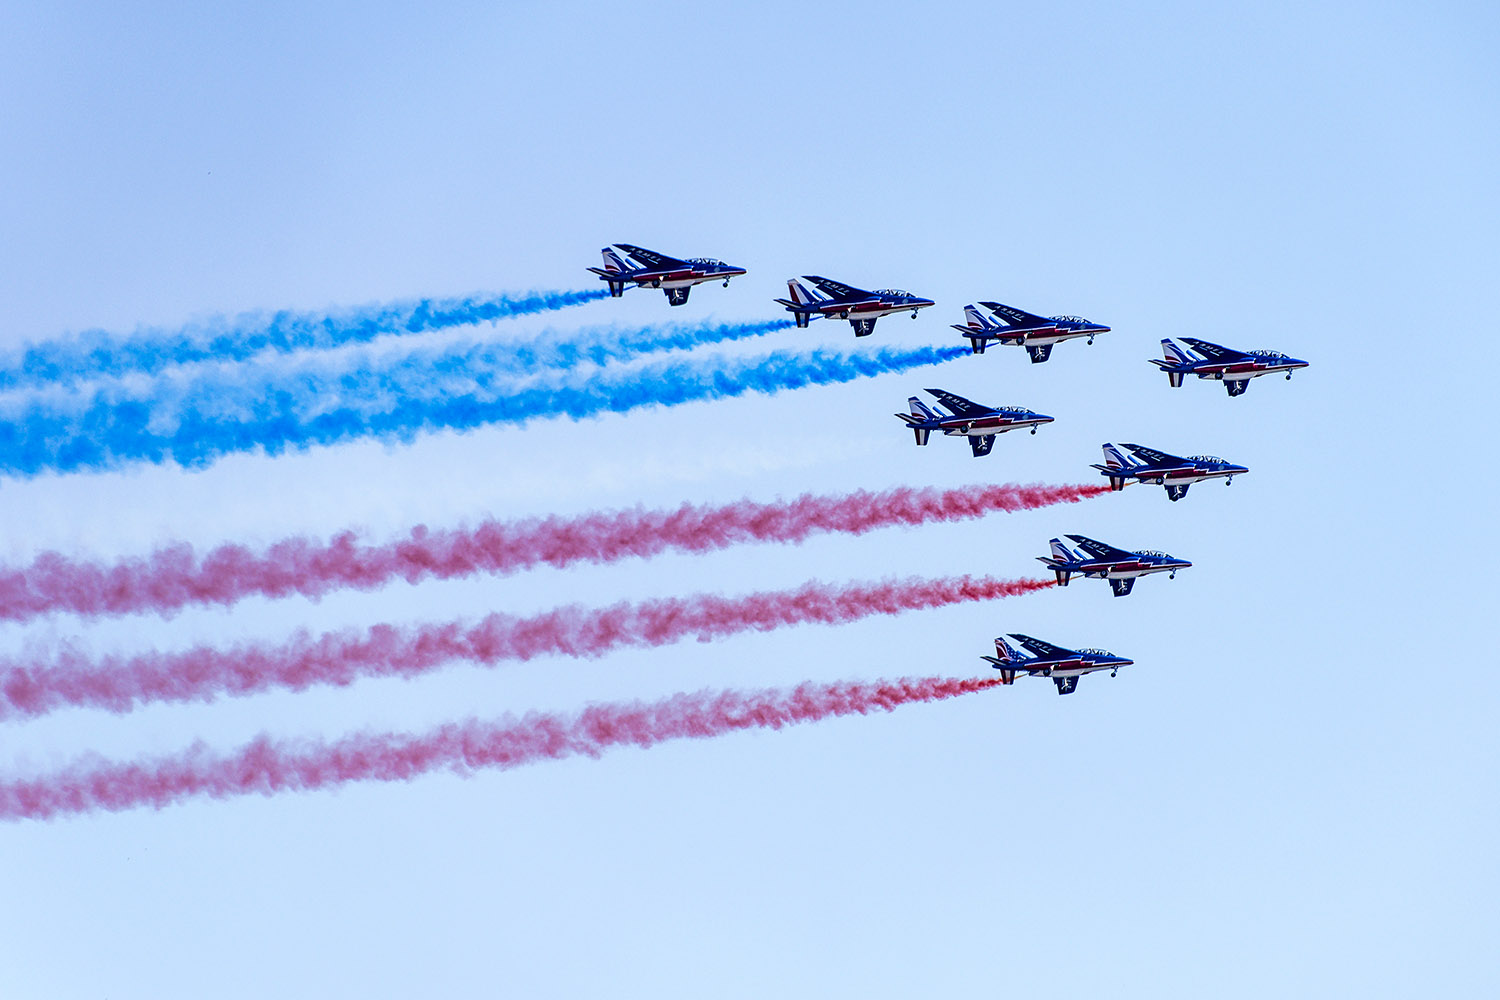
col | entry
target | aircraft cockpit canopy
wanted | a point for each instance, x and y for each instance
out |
(707, 260)
(1155, 553)
(1270, 355)
(1071, 319)
(897, 293)
(1208, 458)
(1096, 652)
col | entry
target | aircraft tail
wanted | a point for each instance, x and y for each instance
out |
(1175, 358)
(920, 415)
(612, 262)
(974, 327)
(1173, 353)
(1115, 465)
(1004, 661)
(613, 266)
(1061, 557)
(800, 303)
(1114, 458)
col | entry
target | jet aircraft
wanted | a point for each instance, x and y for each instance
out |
(674, 277)
(1016, 326)
(1063, 665)
(1147, 465)
(1120, 567)
(859, 307)
(978, 422)
(1234, 368)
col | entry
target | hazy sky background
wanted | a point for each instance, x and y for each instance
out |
(1292, 792)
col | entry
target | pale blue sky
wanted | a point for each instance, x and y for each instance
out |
(1291, 793)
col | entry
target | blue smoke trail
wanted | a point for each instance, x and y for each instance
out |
(377, 384)
(111, 433)
(95, 353)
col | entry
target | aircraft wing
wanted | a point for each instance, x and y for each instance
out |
(650, 258)
(1045, 650)
(959, 406)
(1153, 457)
(1099, 550)
(1016, 317)
(838, 289)
(1215, 352)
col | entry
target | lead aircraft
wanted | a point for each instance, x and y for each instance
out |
(978, 422)
(1063, 665)
(1017, 326)
(1209, 360)
(673, 276)
(1147, 465)
(1120, 567)
(859, 307)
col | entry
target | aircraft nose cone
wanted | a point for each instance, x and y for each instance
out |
(1183, 563)
(1042, 418)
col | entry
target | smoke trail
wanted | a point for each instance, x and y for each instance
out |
(119, 684)
(97, 353)
(268, 766)
(174, 576)
(111, 433)
(370, 385)
(601, 345)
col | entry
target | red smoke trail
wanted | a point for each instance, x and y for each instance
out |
(268, 766)
(174, 576)
(118, 684)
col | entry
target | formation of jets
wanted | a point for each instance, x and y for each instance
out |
(955, 416)
(979, 423)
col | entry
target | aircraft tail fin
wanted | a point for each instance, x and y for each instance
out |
(1115, 459)
(800, 293)
(974, 319)
(802, 302)
(1003, 652)
(920, 414)
(612, 262)
(1061, 557)
(1174, 354)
